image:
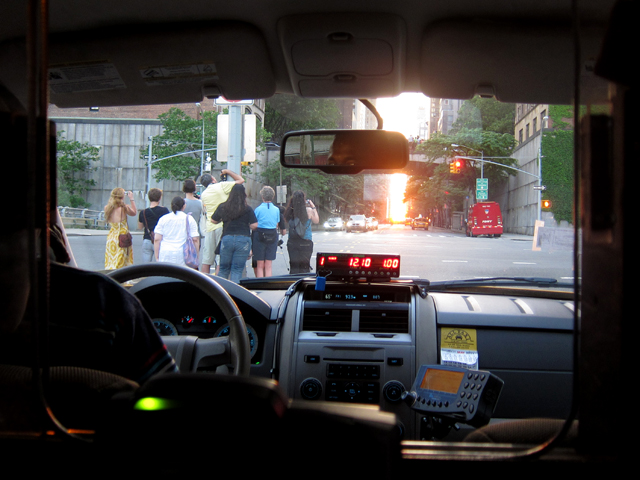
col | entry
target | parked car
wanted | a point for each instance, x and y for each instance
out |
(333, 224)
(357, 223)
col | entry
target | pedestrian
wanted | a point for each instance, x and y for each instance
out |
(214, 194)
(192, 204)
(119, 248)
(239, 221)
(171, 234)
(265, 237)
(299, 214)
(148, 220)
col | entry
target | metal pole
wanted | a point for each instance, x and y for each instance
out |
(540, 178)
(150, 138)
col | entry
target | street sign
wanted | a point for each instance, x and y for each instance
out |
(153, 157)
(281, 192)
(539, 187)
(224, 102)
(482, 188)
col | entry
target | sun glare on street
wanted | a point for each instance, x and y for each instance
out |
(397, 207)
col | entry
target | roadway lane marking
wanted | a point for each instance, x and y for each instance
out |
(455, 261)
(524, 263)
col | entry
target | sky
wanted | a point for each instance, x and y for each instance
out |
(400, 113)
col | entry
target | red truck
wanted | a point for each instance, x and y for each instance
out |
(484, 218)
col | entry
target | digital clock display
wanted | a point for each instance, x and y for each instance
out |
(374, 266)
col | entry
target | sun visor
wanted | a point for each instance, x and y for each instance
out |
(527, 63)
(346, 55)
(141, 66)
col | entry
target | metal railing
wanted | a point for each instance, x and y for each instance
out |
(82, 218)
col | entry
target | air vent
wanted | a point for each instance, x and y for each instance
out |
(387, 321)
(326, 320)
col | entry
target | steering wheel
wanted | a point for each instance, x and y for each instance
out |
(188, 351)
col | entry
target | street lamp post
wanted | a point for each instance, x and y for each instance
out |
(202, 150)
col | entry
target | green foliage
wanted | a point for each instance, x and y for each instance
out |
(336, 193)
(429, 192)
(558, 173)
(560, 116)
(286, 113)
(485, 114)
(74, 160)
(182, 133)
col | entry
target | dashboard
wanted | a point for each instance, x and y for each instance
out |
(364, 343)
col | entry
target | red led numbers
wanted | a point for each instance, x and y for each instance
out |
(390, 263)
(359, 262)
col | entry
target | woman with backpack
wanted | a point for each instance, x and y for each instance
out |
(299, 214)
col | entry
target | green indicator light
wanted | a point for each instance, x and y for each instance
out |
(154, 403)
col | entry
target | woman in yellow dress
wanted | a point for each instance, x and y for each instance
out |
(115, 213)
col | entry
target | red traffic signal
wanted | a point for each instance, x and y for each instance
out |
(546, 203)
(455, 165)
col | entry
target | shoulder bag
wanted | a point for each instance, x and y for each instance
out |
(124, 239)
(152, 235)
(190, 251)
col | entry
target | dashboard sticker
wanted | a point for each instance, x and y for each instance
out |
(459, 347)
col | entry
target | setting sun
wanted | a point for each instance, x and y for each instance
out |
(406, 114)
(397, 207)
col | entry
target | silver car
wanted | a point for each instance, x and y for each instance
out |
(357, 223)
(333, 224)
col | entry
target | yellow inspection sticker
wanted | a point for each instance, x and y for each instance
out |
(459, 347)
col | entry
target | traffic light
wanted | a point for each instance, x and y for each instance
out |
(546, 204)
(455, 165)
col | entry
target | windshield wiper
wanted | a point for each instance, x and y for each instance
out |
(497, 281)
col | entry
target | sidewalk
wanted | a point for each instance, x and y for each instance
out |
(85, 232)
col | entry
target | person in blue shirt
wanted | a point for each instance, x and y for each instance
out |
(265, 237)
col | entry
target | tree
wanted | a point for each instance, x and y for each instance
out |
(74, 160)
(486, 114)
(483, 125)
(285, 113)
(182, 133)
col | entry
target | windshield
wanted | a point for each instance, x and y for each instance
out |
(488, 206)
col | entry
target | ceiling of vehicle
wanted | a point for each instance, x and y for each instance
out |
(162, 51)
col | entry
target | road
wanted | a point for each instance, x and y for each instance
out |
(436, 254)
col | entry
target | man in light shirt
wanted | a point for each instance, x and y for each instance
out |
(214, 194)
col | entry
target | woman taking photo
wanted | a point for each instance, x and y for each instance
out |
(299, 214)
(171, 234)
(119, 250)
(238, 221)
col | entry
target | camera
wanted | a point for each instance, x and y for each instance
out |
(223, 177)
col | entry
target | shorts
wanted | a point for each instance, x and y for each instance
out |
(211, 241)
(264, 251)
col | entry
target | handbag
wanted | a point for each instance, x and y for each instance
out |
(152, 234)
(125, 240)
(189, 250)
(268, 236)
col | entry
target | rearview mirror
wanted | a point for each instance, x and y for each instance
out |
(345, 151)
